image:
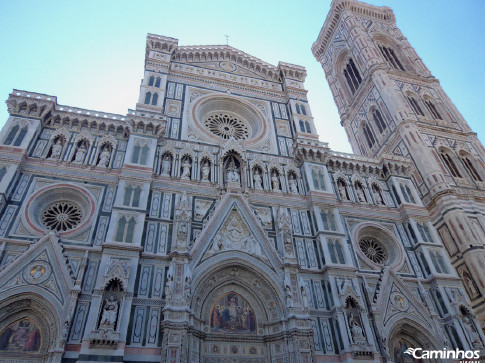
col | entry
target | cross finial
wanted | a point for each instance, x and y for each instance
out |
(227, 39)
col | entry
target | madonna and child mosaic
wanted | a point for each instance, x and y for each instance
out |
(23, 336)
(233, 315)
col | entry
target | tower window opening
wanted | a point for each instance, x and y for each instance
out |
(433, 110)
(415, 105)
(450, 164)
(379, 121)
(369, 137)
(391, 58)
(352, 76)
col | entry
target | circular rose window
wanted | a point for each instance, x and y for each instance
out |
(64, 208)
(223, 117)
(62, 216)
(373, 250)
(226, 126)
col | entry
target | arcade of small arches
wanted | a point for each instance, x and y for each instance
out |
(231, 169)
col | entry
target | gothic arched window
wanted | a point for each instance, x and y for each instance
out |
(390, 57)
(415, 106)
(140, 154)
(307, 127)
(297, 106)
(302, 126)
(125, 230)
(303, 110)
(328, 220)
(466, 159)
(318, 181)
(369, 136)
(450, 164)
(378, 120)
(155, 99)
(11, 135)
(336, 252)
(152, 79)
(157, 82)
(132, 196)
(433, 110)
(148, 98)
(352, 75)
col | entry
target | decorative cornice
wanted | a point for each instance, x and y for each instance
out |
(380, 13)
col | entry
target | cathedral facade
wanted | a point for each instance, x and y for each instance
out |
(210, 224)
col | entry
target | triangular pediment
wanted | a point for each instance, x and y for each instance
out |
(235, 235)
(396, 301)
(234, 227)
(42, 267)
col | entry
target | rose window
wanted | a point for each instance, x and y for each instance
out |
(62, 216)
(227, 126)
(373, 250)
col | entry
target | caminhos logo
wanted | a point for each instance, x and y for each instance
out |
(419, 353)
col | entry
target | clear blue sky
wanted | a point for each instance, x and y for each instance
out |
(90, 54)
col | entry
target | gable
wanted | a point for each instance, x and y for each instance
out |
(43, 269)
(234, 227)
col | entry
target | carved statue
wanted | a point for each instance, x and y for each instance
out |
(470, 329)
(356, 329)
(289, 296)
(232, 173)
(293, 185)
(80, 154)
(65, 330)
(205, 171)
(110, 314)
(187, 288)
(166, 165)
(360, 193)
(104, 158)
(257, 180)
(377, 195)
(186, 169)
(56, 150)
(275, 181)
(342, 190)
(304, 297)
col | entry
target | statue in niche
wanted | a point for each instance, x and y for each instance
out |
(109, 315)
(104, 157)
(205, 171)
(80, 154)
(342, 190)
(289, 296)
(376, 192)
(304, 297)
(293, 184)
(166, 165)
(65, 330)
(56, 150)
(356, 329)
(187, 288)
(360, 193)
(186, 165)
(169, 284)
(470, 329)
(182, 234)
(232, 172)
(257, 180)
(275, 182)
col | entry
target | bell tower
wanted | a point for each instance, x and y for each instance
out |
(390, 103)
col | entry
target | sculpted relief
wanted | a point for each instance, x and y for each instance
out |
(235, 235)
